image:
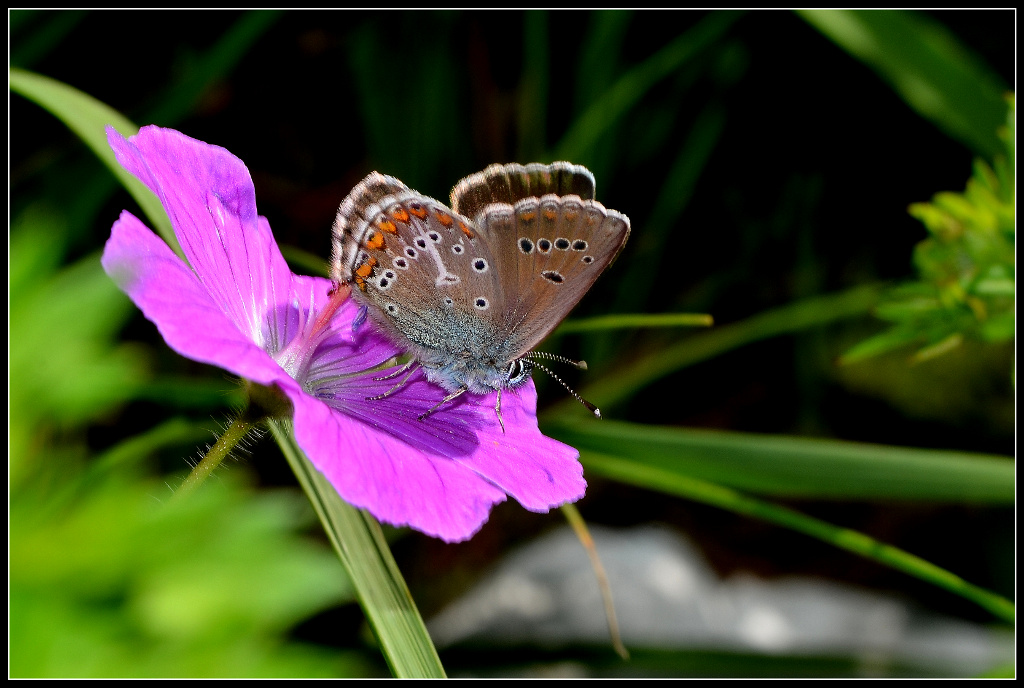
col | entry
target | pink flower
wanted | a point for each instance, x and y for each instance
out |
(237, 305)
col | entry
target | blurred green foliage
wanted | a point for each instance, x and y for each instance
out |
(967, 284)
(925, 63)
(106, 578)
(113, 581)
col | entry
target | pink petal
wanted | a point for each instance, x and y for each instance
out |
(209, 197)
(539, 472)
(172, 297)
(396, 483)
(462, 438)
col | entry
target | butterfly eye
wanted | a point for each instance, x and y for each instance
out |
(518, 371)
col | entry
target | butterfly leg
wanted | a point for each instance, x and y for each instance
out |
(397, 387)
(497, 410)
(444, 401)
(410, 363)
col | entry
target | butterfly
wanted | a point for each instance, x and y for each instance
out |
(468, 292)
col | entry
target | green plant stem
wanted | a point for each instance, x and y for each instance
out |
(238, 429)
(579, 526)
(850, 540)
(360, 544)
(622, 321)
(624, 94)
(645, 368)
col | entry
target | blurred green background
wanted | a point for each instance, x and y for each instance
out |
(766, 161)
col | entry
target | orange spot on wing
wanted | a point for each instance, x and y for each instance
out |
(419, 211)
(366, 269)
(444, 218)
(466, 230)
(374, 241)
(528, 217)
(550, 214)
(400, 214)
(387, 226)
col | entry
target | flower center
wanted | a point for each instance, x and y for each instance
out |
(312, 329)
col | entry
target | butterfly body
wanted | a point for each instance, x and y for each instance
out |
(469, 291)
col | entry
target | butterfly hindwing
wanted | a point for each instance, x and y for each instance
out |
(514, 182)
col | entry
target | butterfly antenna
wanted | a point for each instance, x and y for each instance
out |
(590, 407)
(580, 365)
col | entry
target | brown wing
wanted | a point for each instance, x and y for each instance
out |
(514, 182)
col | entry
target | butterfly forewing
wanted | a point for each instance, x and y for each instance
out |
(431, 279)
(352, 215)
(551, 249)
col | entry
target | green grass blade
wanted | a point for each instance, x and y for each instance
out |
(800, 467)
(726, 498)
(37, 42)
(533, 100)
(600, 54)
(930, 69)
(622, 321)
(216, 63)
(87, 117)
(622, 383)
(359, 542)
(627, 91)
(655, 243)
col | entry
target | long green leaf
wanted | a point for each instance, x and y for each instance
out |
(644, 369)
(623, 321)
(359, 542)
(604, 112)
(798, 466)
(654, 244)
(215, 63)
(844, 538)
(88, 117)
(929, 68)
